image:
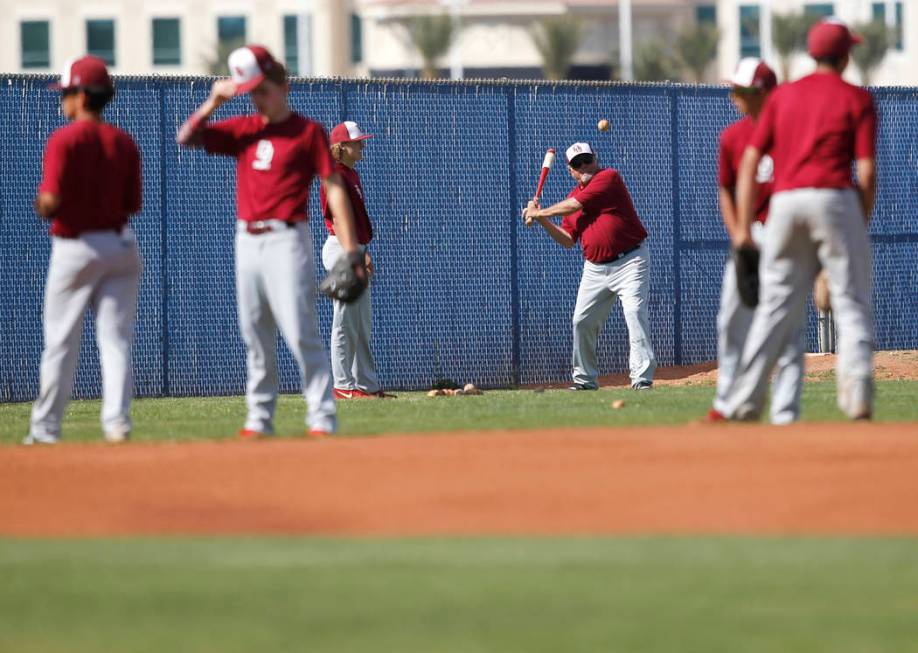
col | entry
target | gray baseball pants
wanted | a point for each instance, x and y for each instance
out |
(99, 270)
(276, 289)
(807, 228)
(353, 366)
(628, 280)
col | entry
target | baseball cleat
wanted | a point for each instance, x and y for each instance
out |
(40, 439)
(116, 436)
(252, 434)
(642, 385)
(339, 393)
(318, 434)
(581, 386)
(715, 416)
(381, 394)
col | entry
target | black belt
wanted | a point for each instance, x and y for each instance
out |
(621, 254)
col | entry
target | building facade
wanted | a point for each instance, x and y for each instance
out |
(178, 37)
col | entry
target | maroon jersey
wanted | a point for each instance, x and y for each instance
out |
(608, 224)
(733, 142)
(94, 168)
(814, 128)
(355, 191)
(275, 163)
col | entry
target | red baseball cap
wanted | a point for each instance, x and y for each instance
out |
(248, 66)
(347, 131)
(84, 72)
(830, 37)
(755, 74)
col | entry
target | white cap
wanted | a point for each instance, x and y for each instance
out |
(753, 73)
(248, 66)
(578, 148)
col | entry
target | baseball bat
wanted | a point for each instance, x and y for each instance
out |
(546, 166)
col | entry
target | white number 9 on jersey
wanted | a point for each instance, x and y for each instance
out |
(264, 153)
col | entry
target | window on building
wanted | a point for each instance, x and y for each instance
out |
(706, 14)
(36, 43)
(167, 42)
(749, 31)
(231, 31)
(356, 39)
(819, 9)
(879, 14)
(100, 40)
(291, 45)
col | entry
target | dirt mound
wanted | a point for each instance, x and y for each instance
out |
(890, 366)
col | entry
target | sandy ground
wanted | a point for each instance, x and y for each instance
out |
(706, 479)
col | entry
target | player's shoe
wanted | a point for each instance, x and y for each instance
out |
(642, 385)
(715, 417)
(40, 439)
(252, 434)
(318, 434)
(340, 393)
(117, 435)
(381, 394)
(582, 386)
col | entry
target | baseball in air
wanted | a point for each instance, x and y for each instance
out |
(603, 125)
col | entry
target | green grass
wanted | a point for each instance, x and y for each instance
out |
(650, 595)
(220, 417)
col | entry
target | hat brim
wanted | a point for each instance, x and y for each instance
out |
(362, 137)
(249, 86)
(856, 39)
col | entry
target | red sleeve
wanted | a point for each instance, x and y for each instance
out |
(133, 193)
(318, 153)
(569, 224)
(596, 193)
(323, 202)
(865, 131)
(55, 165)
(763, 136)
(222, 137)
(726, 168)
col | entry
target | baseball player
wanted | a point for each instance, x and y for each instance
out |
(813, 129)
(353, 367)
(90, 186)
(277, 152)
(599, 214)
(751, 84)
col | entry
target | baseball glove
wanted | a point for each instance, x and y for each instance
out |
(347, 280)
(746, 260)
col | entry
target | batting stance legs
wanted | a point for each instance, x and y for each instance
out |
(627, 279)
(100, 270)
(805, 224)
(275, 286)
(733, 323)
(352, 361)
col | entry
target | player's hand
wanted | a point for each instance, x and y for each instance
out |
(742, 238)
(222, 91)
(530, 210)
(371, 269)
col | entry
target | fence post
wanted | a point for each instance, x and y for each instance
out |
(164, 232)
(677, 229)
(515, 318)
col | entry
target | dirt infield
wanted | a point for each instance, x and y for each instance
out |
(712, 479)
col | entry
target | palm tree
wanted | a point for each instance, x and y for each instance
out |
(870, 54)
(653, 62)
(432, 36)
(696, 48)
(557, 40)
(788, 35)
(217, 65)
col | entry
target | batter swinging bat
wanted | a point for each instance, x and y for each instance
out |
(546, 166)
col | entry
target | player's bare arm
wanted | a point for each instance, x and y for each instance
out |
(867, 185)
(189, 133)
(728, 210)
(47, 204)
(559, 235)
(746, 193)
